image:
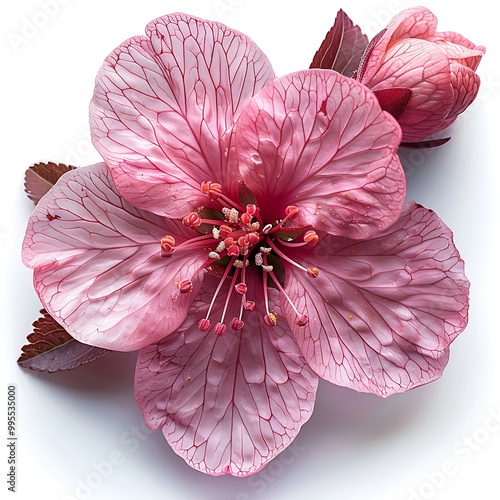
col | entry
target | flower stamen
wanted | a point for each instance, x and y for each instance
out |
(167, 246)
(291, 211)
(185, 286)
(311, 271)
(302, 319)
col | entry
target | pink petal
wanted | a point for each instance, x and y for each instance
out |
(415, 22)
(97, 264)
(423, 67)
(383, 312)
(469, 54)
(226, 404)
(164, 106)
(320, 141)
(465, 83)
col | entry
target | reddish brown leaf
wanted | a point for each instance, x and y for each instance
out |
(358, 74)
(40, 177)
(51, 348)
(427, 144)
(342, 47)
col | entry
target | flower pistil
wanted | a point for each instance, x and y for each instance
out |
(236, 237)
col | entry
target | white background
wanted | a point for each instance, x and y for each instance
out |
(440, 441)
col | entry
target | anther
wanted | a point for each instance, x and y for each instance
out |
(246, 219)
(241, 288)
(270, 319)
(259, 259)
(251, 209)
(291, 211)
(248, 240)
(220, 329)
(265, 250)
(213, 189)
(167, 245)
(302, 320)
(311, 238)
(214, 255)
(242, 241)
(267, 228)
(252, 238)
(231, 215)
(185, 286)
(204, 325)
(228, 242)
(267, 268)
(192, 220)
(249, 305)
(237, 324)
(224, 231)
(313, 272)
(233, 250)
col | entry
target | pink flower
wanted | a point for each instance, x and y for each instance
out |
(248, 235)
(425, 77)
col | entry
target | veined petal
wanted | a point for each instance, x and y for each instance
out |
(465, 83)
(320, 141)
(382, 312)
(422, 65)
(164, 106)
(414, 22)
(458, 47)
(97, 264)
(226, 404)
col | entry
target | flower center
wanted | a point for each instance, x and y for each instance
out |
(234, 238)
